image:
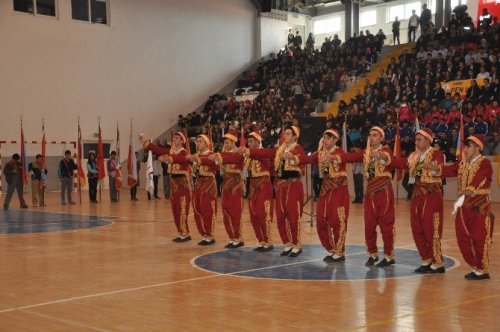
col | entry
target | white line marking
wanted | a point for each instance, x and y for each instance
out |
(213, 275)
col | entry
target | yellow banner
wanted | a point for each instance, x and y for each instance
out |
(460, 86)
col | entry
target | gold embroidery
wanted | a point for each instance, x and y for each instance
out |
(214, 216)
(183, 217)
(269, 220)
(298, 244)
(466, 175)
(341, 240)
(415, 167)
(436, 242)
(288, 164)
(487, 245)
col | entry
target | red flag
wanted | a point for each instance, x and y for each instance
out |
(81, 175)
(243, 141)
(101, 173)
(397, 153)
(188, 142)
(24, 161)
(118, 179)
(132, 162)
(43, 181)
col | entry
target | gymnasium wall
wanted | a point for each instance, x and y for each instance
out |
(156, 59)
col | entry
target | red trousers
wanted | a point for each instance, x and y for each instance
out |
(180, 200)
(331, 219)
(205, 206)
(379, 211)
(232, 205)
(426, 219)
(261, 208)
(289, 201)
(474, 232)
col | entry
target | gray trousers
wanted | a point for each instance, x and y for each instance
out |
(113, 192)
(16, 184)
(66, 189)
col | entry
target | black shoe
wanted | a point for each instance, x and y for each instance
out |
(259, 248)
(269, 248)
(423, 269)
(328, 259)
(185, 239)
(230, 245)
(206, 243)
(24, 206)
(483, 276)
(286, 252)
(338, 260)
(438, 270)
(5, 207)
(385, 262)
(295, 254)
(371, 261)
(239, 244)
(469, 275)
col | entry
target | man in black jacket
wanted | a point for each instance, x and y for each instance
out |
(13, 175)
(66, 169)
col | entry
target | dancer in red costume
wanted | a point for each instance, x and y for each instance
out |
(179, 169)
(474, 219)
(332, 210)
(426, 215)
(205, 190)
(232, 189)
(289, 189)
(379, 196)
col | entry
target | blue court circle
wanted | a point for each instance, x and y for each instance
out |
(245, 262)
(26, 221)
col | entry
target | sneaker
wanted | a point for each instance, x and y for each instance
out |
(385, 262)
(295, 253)
(371, 261)
(438, 270)
(423, 269)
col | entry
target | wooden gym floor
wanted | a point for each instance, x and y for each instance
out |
(113, 267)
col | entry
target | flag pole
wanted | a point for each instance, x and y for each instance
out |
(79, 160)
(99, 182)
(118, 153)
(395, 147)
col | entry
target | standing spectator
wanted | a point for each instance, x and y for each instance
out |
(65, 171)
(290, 38)
(133, 190)
(380, 37)
(112, 166)
(38, 173)
(13, 176)
(310, 42)
(412, 26)
(297, 41)
(395, 30)
(92, 176)
(156, 176)
(425, 19)
(357, 177)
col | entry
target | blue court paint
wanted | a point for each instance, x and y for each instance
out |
(26, 221)
(309, 265)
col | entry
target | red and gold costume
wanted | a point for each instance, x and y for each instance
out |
(426, 214)
(474, 220)
(232, 189)
(333, 204)
(205, 194)
(179, 169)
(379, 199)
(289, 190)
(260, 196)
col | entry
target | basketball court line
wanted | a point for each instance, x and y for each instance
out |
(213, 275)
(65, 321)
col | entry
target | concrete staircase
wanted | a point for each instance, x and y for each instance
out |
(384, 59)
